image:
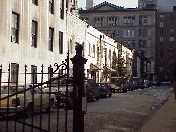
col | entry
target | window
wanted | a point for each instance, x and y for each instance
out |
(116, 32)
(129, 32)
(62, 9)
(133, 32)
(35, 2)
(89, 49)
(124, 42)
(129, 43)
(15, 27)
(109, 33)
(171, 31)
(34, 74)
(161, 69)
(51, 36)
(140, 43)
(144, 43)
(140, 20)
(102, 31)
(171, 46)
(145, 20)
(171, 39)
(60, 42)
(145, 32)
(99, 22)
(161, 32)
(124, 32)
(161, 39)
(51, 6)
(161, 54)
(113, 21)
(129, 21)
(171, 17)
(14, 73)
(34, 33)
(161, 17)
(133, 21)
(161, 24)
(140, 32)
(94, 51)
(161, 46)
(133, 43)
(124, 21)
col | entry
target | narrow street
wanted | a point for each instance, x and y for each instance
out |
(123, 112)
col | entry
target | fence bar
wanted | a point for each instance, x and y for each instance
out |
(66, 111)
(50, 72)
(24, 98)
(7, 122)
(41, 100)
(17, 66)
(32, 99)
(58, 104)
(0, 81)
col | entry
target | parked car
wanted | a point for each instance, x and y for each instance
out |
(92, 90)
(61, 96)
(118, 84)
(166, 83)
(139, 82)
(104, 89)
(31, 104)
(130, 85)
(156, 83)
(147, 84)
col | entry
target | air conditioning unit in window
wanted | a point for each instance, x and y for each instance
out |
(13, 39)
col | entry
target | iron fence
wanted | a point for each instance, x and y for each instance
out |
(18, 103)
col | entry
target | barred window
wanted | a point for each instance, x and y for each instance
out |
(60, 42)
(14, 73)
(15, 27)
(51, 37)
(62, 9)
(35, 2)
(51, 6)
(34, 34)
(99, 22)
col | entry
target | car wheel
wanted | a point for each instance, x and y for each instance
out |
(29, 111)
(98, 97)
(92, 99)
(50, 107)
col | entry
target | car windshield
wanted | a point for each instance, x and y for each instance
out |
(101, 84)
(136, 79)
(12, 90)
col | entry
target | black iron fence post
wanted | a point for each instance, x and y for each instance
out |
(78, 89)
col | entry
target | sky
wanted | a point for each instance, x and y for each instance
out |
(125, 3)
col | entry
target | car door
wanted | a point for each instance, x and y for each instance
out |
(36, 98)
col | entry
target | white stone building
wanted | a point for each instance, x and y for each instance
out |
(39, 32)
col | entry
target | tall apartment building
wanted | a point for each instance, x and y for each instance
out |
(165, 45)
(145, 3)
(160, 5)
(134, 28)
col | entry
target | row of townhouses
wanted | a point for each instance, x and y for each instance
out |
(148, 29)
(42, 32)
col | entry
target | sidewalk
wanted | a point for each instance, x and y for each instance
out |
(164, 120)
